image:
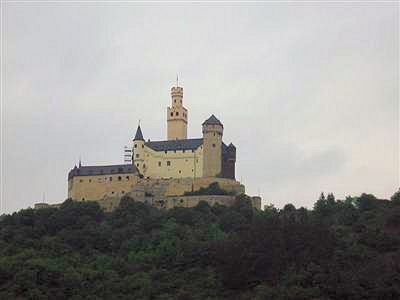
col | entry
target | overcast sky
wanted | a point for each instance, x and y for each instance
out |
(307, 93)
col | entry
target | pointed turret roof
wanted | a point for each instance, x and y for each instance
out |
(212, 121)
(138, 135)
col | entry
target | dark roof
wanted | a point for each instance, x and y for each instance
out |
(188, 144)
(212, 121)
(102, 170)
(138, 135)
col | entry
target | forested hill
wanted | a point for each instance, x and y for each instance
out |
(340, 250)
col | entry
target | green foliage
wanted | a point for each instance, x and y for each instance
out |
(212, 189)
(340, 250)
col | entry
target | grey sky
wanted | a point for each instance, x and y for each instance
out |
(308, 93)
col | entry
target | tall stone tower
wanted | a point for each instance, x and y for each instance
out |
(138, 151)
(212, 147)
(177, 116)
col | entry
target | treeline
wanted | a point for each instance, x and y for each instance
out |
(339, 250)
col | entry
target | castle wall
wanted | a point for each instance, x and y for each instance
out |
(84, 188)
(182, 201)
(181, 164)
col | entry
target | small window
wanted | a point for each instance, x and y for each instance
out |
(112, 192)
(127, 177)
(175, 101)
(81, 180)
(168, 163)
(165, 151)
(172, 114)
(119, 178)
(83, 199)
(123, 192)
(90, 180)
(183, 151)
(137, 165)
(159, 163)
(177, 113)
(214, 133)
(110, 178)
(137, 155)
(214, 145)
(180, 171)
(135, 145)
(144, 166)
(142, 146)
(192, 151)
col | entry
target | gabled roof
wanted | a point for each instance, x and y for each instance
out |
(188, 144)
(212, 121)
(138, 135)
(103, 170)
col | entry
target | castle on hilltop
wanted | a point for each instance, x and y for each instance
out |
(170, 173)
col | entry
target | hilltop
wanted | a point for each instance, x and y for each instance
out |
(339, 250)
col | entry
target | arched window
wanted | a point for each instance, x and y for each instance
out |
(177, 113)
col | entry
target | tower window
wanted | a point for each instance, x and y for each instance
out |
(110, 178)
(127, 177)
(159, 163)
(137, 155)
(137, 165)
(172, 114)
(119, 178)
(142, 146)
(183, 151)
(144, 166)
(180, 172)
(177, 113)
(168, 163)
(175, 101)
(135, 145)
(165, 151)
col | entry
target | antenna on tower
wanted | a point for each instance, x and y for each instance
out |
(176, 80)
(80, 162)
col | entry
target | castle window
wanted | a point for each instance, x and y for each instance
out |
(192, 151)
(135, 145)
(90, 180)
(123, 192)
(81, 180)
(180, 171)
(165, 151)
(119, 178)
(144, 166)
(83, 199)
(183, 151)
(175, 101)
(142, 146)
(110, 178)
(214, 145)
(177, 113)
(137, 165)
(172, 114)
(168, 163)
(112, 192)
(214, 133)
(159, 163)
(137, 155)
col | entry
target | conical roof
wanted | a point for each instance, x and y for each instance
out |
(212, 121)
(138, 135)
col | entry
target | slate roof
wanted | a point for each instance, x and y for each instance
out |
(102, 170)
(138, 135)
(188, 144)
(212, 121)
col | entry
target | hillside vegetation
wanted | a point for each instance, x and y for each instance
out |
(340, 250)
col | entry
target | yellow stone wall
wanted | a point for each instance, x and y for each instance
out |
(84, 188)
(154, 164)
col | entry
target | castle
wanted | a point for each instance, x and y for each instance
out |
(165, 173)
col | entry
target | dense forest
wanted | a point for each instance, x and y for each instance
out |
(347, 249)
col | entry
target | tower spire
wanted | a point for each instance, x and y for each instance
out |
(176, 80)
